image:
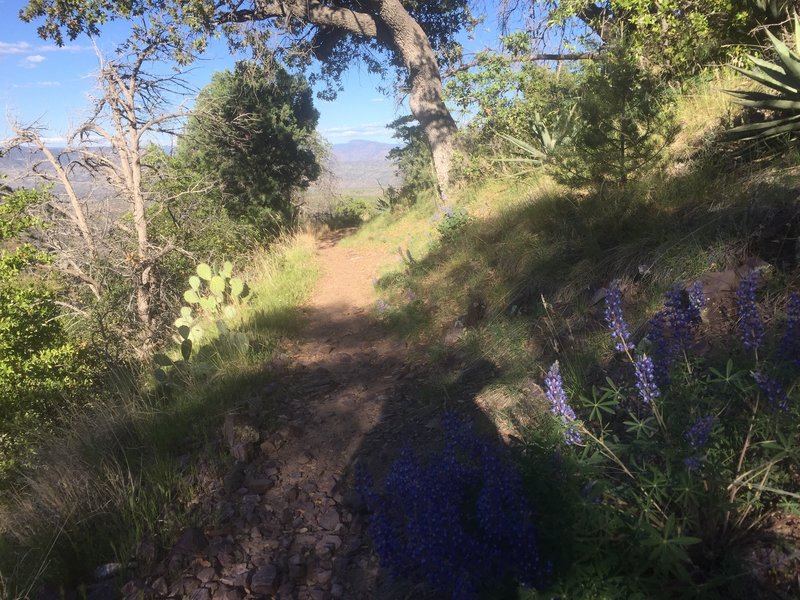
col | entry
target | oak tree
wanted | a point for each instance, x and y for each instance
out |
(386, 35)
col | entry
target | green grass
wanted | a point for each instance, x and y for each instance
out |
(537, 255)
(126, 470)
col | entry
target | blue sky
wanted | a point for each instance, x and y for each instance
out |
(41, 82)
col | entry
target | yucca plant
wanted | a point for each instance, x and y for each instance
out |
(782, 77)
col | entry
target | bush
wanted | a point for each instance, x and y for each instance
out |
(461, 522)
(42, 372)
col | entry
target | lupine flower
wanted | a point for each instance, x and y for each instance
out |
(697, 435)
(662, 347)
(773, 390)
(697, 301)
(672, 329)
(554, 390)
(645, 379)
(751, 326)
(615, 319)
(790, 343)
(461, 522)
(693, 463)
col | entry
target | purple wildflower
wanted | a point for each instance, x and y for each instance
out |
(790, 344)
(693, 463)
(662, 347)
(697, 301)
(645, 379)
(697, 435)
(773, 390)
(558, 404)
(751, 326)
(615, 319)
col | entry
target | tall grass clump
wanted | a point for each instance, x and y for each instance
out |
(119, 472)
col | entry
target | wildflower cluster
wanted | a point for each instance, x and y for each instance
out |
(672, 329)
(615, 319)
(554, 390)
(773, 390)
(751, 327)
(461, 522)
(790, 343)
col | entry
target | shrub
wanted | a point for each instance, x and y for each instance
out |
(459, 522)
(452, 222)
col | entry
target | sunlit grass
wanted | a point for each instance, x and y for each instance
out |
(115, 474)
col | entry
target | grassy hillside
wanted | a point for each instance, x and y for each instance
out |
(518, 274)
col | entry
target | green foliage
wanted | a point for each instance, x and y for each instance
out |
(413, 161)
(41, 370)
(253, 136)
(349, 212)
(782, 77)
(623, 121)
(672, 38)
(452, 223)
(544, 146)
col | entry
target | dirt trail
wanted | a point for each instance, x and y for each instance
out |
(285, 522)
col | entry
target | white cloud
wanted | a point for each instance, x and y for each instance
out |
(37, 84)
(32, 61)
(14, 48)
(9, 48)
(370, 130)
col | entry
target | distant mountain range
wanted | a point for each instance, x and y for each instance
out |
(358, 165)
(362, 165)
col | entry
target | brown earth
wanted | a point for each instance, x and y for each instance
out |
(285, 521)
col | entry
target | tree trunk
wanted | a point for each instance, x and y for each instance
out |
(426, 102)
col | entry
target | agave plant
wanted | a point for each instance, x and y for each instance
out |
(544, 144)
(782, 77)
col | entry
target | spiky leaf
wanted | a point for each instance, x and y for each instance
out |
(186, 312)
(227, 269)
(194, 282)
(191, 297)
(184, 331)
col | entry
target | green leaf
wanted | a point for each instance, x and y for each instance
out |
(209, 303)
(229, 312)
(204, 271)
(762, 100)
(227, 269)
(191, 297)
(194, 282)
(184, 331)
(790, 60)
(162, 360)
(161, 376)
(186, 312)
(186, 349)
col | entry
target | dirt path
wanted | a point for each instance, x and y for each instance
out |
(285, 522)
